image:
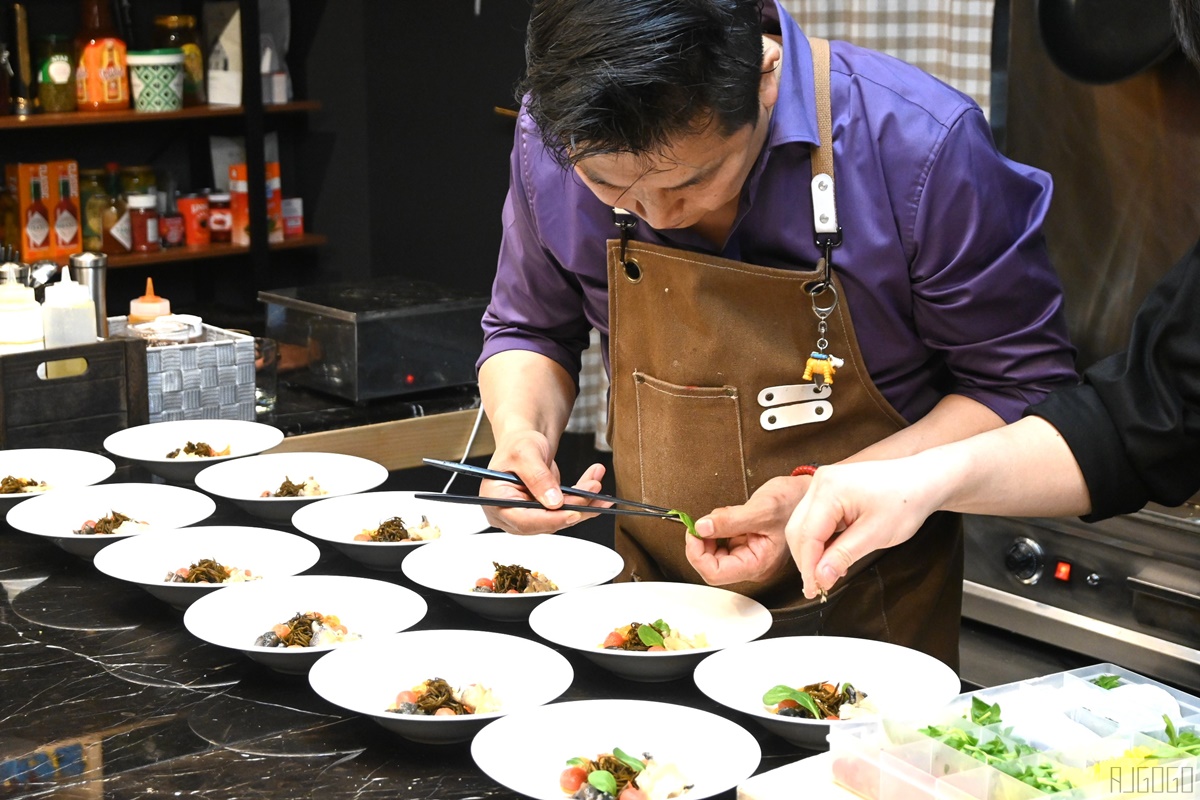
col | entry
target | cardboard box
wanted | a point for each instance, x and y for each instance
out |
(33, 217)
(52, 230)
(239, 203)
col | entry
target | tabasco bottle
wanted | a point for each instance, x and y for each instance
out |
(101, 79)
(66, 219)
(37, 224)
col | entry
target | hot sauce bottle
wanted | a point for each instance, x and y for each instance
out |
(101, 80)
(66, 216)
(37, 221)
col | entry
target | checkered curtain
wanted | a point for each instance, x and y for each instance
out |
(951, 39)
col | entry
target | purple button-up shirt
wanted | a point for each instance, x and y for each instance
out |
(943, 263)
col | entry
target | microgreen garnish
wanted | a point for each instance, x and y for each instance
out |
(634, 764)
(577, 761)
(650, 636)
(984, 714)
(1039, 776)
(688, 522)
(994, 751)
(1107, 681)
(603, 780)
(1187, 741)
(778, 694)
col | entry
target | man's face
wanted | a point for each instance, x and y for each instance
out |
(697, 175)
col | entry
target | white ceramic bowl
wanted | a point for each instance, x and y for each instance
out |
(582, 619)
(243, 480)
(59, 514)
(366, 679)
(148, 445)
(146, 560)
(58, 468)
(528, 750)
(452, 566)
(901, 682)
(338, 520)
(239, 614)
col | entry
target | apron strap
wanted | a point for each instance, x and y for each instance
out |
(828, 233)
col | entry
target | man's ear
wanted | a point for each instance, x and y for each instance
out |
(768, 85)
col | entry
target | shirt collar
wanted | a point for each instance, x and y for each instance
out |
(795, 116)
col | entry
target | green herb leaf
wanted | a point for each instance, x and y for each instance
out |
(778, 694)
(984, 714)
(634, 764)
(577, 761)
(688, 522)
(603, 780)
(661, 627)
(1187, 741)
(1107, 681)
(649, 636)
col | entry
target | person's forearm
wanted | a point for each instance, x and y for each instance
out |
(1023, 469)
(522, 391)
(955, 417)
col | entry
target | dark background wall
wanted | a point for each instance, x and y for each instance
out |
(410, 156)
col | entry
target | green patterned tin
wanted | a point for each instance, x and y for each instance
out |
(156, 79)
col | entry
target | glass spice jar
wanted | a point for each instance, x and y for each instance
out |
(220, 218)
(138, 180)
(179, 30)
(143, 223)
(56, 74)
(92, 201)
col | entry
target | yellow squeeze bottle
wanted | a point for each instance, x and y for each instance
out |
(149, 306)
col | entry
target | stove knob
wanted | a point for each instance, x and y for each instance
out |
(1093, 579)
(1025, 560)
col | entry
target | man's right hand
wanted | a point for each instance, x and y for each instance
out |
(528, 456)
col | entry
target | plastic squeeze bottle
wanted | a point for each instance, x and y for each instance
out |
(149, 306)
(69, 313)
(20, 319)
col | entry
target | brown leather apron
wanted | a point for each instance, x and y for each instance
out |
(694, 341)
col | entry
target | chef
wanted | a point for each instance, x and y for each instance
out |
(794, 251)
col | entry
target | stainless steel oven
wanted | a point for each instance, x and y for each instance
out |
(1126, 590)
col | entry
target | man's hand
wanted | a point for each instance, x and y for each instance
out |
(746, 542)
(528, 456)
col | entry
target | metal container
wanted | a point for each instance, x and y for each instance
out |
(91, 269)
(382, 338)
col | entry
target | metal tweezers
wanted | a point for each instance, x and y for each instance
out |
(638, 510)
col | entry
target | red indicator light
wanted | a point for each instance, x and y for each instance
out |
(1062, 571)
(410, 379)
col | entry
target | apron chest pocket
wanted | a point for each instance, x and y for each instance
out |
(676, 423)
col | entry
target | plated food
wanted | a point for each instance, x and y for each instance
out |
(586, 620)
(454, 566)
(308, 629)
(275, 485)
(657, 636)
(29, 472)
(487, 675)
(752, 678)
(621, 776)
(156, 560)
(364, 527)
(514, 579)
(683, 752)
(821, 701)
(84, 519)
(178, 449)
(237, 616)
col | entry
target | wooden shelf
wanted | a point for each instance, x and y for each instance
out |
(33, 121)
(196, 252)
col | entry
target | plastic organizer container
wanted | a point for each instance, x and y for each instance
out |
(1085, 741)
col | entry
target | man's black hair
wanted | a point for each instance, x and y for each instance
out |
(631, 76)
(1186, 16)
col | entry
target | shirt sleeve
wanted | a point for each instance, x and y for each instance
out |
(536, 305)
(1134, 423)
(985, 296)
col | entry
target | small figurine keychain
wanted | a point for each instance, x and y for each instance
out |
(821, 366)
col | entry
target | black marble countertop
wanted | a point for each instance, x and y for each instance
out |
(97, 675)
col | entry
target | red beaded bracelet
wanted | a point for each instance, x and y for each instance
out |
(805, 469)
